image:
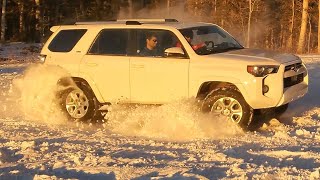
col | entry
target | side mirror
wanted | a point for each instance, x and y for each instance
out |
(174, 52)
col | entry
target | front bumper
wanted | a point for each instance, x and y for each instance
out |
(293, 93)
(280, 91)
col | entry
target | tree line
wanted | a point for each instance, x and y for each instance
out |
(285, 25)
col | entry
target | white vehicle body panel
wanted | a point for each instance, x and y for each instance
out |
(158, 80)
(110, 74)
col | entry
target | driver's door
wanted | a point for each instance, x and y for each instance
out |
(160, 79)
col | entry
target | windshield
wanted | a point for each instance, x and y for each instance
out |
(210, 39)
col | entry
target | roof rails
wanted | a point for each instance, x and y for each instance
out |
(133, 23)
(128, 21)
(148, 20)
(94, 22)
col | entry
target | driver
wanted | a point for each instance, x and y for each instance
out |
(188, 34)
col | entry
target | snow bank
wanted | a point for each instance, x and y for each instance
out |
(19, 52)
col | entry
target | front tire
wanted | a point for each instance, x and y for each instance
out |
(281, 109)
(230, 103)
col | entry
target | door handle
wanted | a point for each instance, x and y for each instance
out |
(92, 64)
(137, 66)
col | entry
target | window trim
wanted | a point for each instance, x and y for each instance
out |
(132, 35)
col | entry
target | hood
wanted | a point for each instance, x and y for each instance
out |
(279, 57)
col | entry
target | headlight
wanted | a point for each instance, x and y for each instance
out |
(260, 71)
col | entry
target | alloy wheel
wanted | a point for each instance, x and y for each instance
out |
(77, 104)
(229, 107)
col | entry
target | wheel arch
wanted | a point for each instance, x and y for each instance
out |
(67, 81)
(207, 87)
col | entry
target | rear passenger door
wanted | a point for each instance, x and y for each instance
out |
(107, 64)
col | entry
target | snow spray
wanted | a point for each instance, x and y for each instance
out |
(179, 121)
(36, 90)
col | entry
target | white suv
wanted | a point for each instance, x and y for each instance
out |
(106, 62)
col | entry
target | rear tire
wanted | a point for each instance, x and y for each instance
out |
(79, 104)
(230, 103)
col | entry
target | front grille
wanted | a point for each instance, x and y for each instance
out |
(293, 80)
(293, 67)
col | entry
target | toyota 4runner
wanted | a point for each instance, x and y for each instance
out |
(105, 61)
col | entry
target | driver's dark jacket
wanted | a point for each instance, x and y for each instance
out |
(148, 52)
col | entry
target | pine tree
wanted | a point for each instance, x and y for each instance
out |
(3, 20)
(303, 29)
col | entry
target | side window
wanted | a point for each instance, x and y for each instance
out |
(154, 42)
(65, 40)
(110, 42)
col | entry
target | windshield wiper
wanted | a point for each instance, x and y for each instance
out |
(233, 48)
(228, 49)
(217, 50)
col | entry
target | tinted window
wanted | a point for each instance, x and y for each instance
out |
(111, 41)
(65, 40)
(160, 40)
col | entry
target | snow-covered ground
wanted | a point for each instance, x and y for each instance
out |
(172, 141)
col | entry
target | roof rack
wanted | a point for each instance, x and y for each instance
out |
(133, 23)
(128, 21)
(148, 20)
(94, 22)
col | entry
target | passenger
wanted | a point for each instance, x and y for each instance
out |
(151, 46)
(188, 35)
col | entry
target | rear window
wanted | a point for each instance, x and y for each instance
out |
(65, 40)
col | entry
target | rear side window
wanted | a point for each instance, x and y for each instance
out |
(65, 40)
(111, 42)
